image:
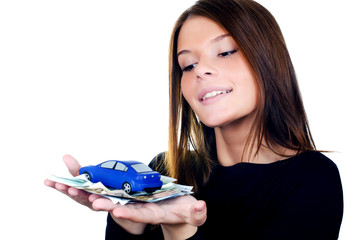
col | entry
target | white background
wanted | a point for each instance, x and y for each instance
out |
(90, 78)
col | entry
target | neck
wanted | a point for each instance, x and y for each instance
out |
(231, 141)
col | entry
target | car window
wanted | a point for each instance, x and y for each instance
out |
(140, 167)
(109, 164)
(121, 167)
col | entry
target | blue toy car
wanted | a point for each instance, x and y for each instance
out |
(131, 176)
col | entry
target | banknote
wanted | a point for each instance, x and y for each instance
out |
(168, 190)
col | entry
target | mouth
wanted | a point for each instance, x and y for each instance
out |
(214, 94)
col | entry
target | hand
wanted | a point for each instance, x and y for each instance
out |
(79, 196)
(179, 217)
(86, 198)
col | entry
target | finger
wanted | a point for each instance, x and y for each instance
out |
(57, 186)
(74, 192)
(72, 165)
(94, 197)
(125, 213)
(61, 187)
(198, 213)
(103, 204)
(49, 183)
(77, 195)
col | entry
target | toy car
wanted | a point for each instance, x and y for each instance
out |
(131, 176)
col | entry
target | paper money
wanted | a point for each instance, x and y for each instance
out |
(168, 190)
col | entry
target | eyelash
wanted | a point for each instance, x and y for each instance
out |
(189, 68)
(223, 54)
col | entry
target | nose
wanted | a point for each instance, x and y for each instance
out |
(204, 70)
(203, 75)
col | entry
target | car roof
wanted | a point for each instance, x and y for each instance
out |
(126, 162)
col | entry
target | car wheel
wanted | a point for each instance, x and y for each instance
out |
(127, 187)
(87, 176)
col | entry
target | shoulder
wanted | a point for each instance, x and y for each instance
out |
(316, 158)
(314, 166)
(312, 170)
(309, 191)
(313, 180)
(308, 182)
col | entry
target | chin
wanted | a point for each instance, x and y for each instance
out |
(222, 120)
(213, 123)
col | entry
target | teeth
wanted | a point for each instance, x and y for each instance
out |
(214, 93)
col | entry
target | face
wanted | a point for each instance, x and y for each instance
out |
(217, 80)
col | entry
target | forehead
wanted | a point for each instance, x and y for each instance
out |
(198, 30)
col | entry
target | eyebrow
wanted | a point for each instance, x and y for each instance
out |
(217, 39)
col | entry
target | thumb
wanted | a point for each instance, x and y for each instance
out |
(72, 165)
(198, 213)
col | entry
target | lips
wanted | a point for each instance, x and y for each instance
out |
(210, 93)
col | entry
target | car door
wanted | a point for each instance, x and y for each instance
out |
(106, 172)
(121, 172)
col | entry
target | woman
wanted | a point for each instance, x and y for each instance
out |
(238, 133)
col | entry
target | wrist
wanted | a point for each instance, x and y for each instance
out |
(178, 231)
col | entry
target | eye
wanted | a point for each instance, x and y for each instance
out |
(225, 54)
(189, 68)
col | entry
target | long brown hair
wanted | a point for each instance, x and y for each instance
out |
(280, 116)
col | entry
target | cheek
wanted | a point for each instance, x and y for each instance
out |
(244, 78)
(186, 88)
(246, 87)
(249, 94)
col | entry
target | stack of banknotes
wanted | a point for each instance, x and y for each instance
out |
(169, 190)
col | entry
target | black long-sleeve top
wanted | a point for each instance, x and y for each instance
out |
(296, 198)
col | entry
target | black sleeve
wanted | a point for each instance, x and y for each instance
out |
(309, 209)
(114, 231)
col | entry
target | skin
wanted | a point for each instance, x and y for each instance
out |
(211, 61)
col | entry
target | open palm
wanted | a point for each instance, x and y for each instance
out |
(134, 217)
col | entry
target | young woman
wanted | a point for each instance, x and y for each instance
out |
(238, 133)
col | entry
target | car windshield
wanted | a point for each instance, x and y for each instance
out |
(140, 168)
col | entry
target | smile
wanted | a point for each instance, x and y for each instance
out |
(213, 94)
